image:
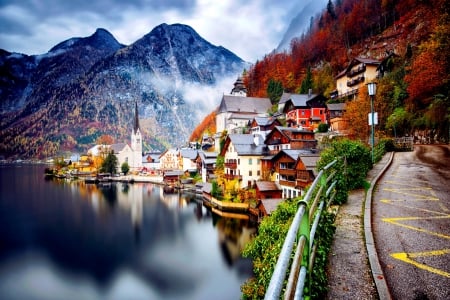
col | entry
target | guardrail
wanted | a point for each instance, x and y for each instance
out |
(302, 232)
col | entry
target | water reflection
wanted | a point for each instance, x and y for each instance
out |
(102, 241)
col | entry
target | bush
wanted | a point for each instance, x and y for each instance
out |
(322, 127)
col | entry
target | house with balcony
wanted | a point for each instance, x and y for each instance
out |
(206, 164)
(294, 171)
(289, 138)
(242, 158)
(357, 74)
(305, 111)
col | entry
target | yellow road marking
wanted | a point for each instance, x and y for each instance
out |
(406, 192)
(406, 257)
(396, 221)
(397, 203)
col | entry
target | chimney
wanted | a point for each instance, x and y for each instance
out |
(309, 93)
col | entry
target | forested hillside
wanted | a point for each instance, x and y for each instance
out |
(413, 97)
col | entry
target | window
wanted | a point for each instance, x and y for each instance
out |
(250, 161)
(250, 173)
(258, 161)
(258, 173)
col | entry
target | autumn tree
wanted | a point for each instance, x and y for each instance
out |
(105, 139)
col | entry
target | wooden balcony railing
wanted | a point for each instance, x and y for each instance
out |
(232, 177)
(231, 165)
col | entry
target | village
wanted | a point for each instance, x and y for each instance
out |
(255, 160)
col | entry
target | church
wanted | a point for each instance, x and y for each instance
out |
(131, 154)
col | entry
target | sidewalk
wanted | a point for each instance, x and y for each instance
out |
(351, 271)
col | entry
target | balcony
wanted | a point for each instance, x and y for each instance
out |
(355, 81)
(287, 183)
(287, 172)
(233, 177)
(231, 165)
(359, 70)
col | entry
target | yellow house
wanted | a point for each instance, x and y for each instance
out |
(242, 158)
(356, 75)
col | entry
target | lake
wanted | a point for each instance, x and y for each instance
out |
(72, 240)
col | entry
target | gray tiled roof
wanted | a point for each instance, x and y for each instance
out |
(336, 106)
(299, 100)
(189, 153)
(244, 104)
(271, 204)
(244, 145)
(118, 147)
(310, 161)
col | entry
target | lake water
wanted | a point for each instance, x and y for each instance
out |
(71, 240)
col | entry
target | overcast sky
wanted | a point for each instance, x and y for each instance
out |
(249, 28)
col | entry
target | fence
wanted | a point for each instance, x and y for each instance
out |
(302, 232)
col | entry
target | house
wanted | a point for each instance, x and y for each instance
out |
(268, 190)
(242, 157)
(235, 112)
(289, 138)
(169, 160)
(305, 111)
(188, 160)
(292, 173)
(358, 73)
(206, 164)
(263, 125)
(151, 162)
(337, 122)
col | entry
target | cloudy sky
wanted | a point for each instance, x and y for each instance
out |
(249, 28)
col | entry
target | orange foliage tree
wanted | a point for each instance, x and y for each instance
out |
(207, 126)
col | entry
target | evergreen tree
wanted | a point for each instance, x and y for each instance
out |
(109, 165)
(274, 91)
(125, 168)
(307, 83)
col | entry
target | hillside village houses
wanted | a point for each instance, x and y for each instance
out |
(258, 151)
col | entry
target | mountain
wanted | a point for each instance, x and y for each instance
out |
(300, 23)
(86, 87)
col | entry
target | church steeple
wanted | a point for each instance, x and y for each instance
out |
(239, 88)
(136, 118)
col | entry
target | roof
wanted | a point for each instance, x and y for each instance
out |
(244, 144)
(244, 116)
(231, 103)
(293, 153)
(265, 186)
(310, 161)
(189, 153)
(173, 173)
(299, 100)
(271, 204)
(336, 106)
(284, 97)
(118, 147)
(264, 121)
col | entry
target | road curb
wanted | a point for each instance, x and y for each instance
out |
(377, 272)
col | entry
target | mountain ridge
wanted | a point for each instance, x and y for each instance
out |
(84, 87)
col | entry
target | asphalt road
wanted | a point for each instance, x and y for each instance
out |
(411, 223)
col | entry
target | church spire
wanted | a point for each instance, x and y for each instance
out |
(136, 117)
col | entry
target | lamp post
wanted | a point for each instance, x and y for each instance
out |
(372, 88)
